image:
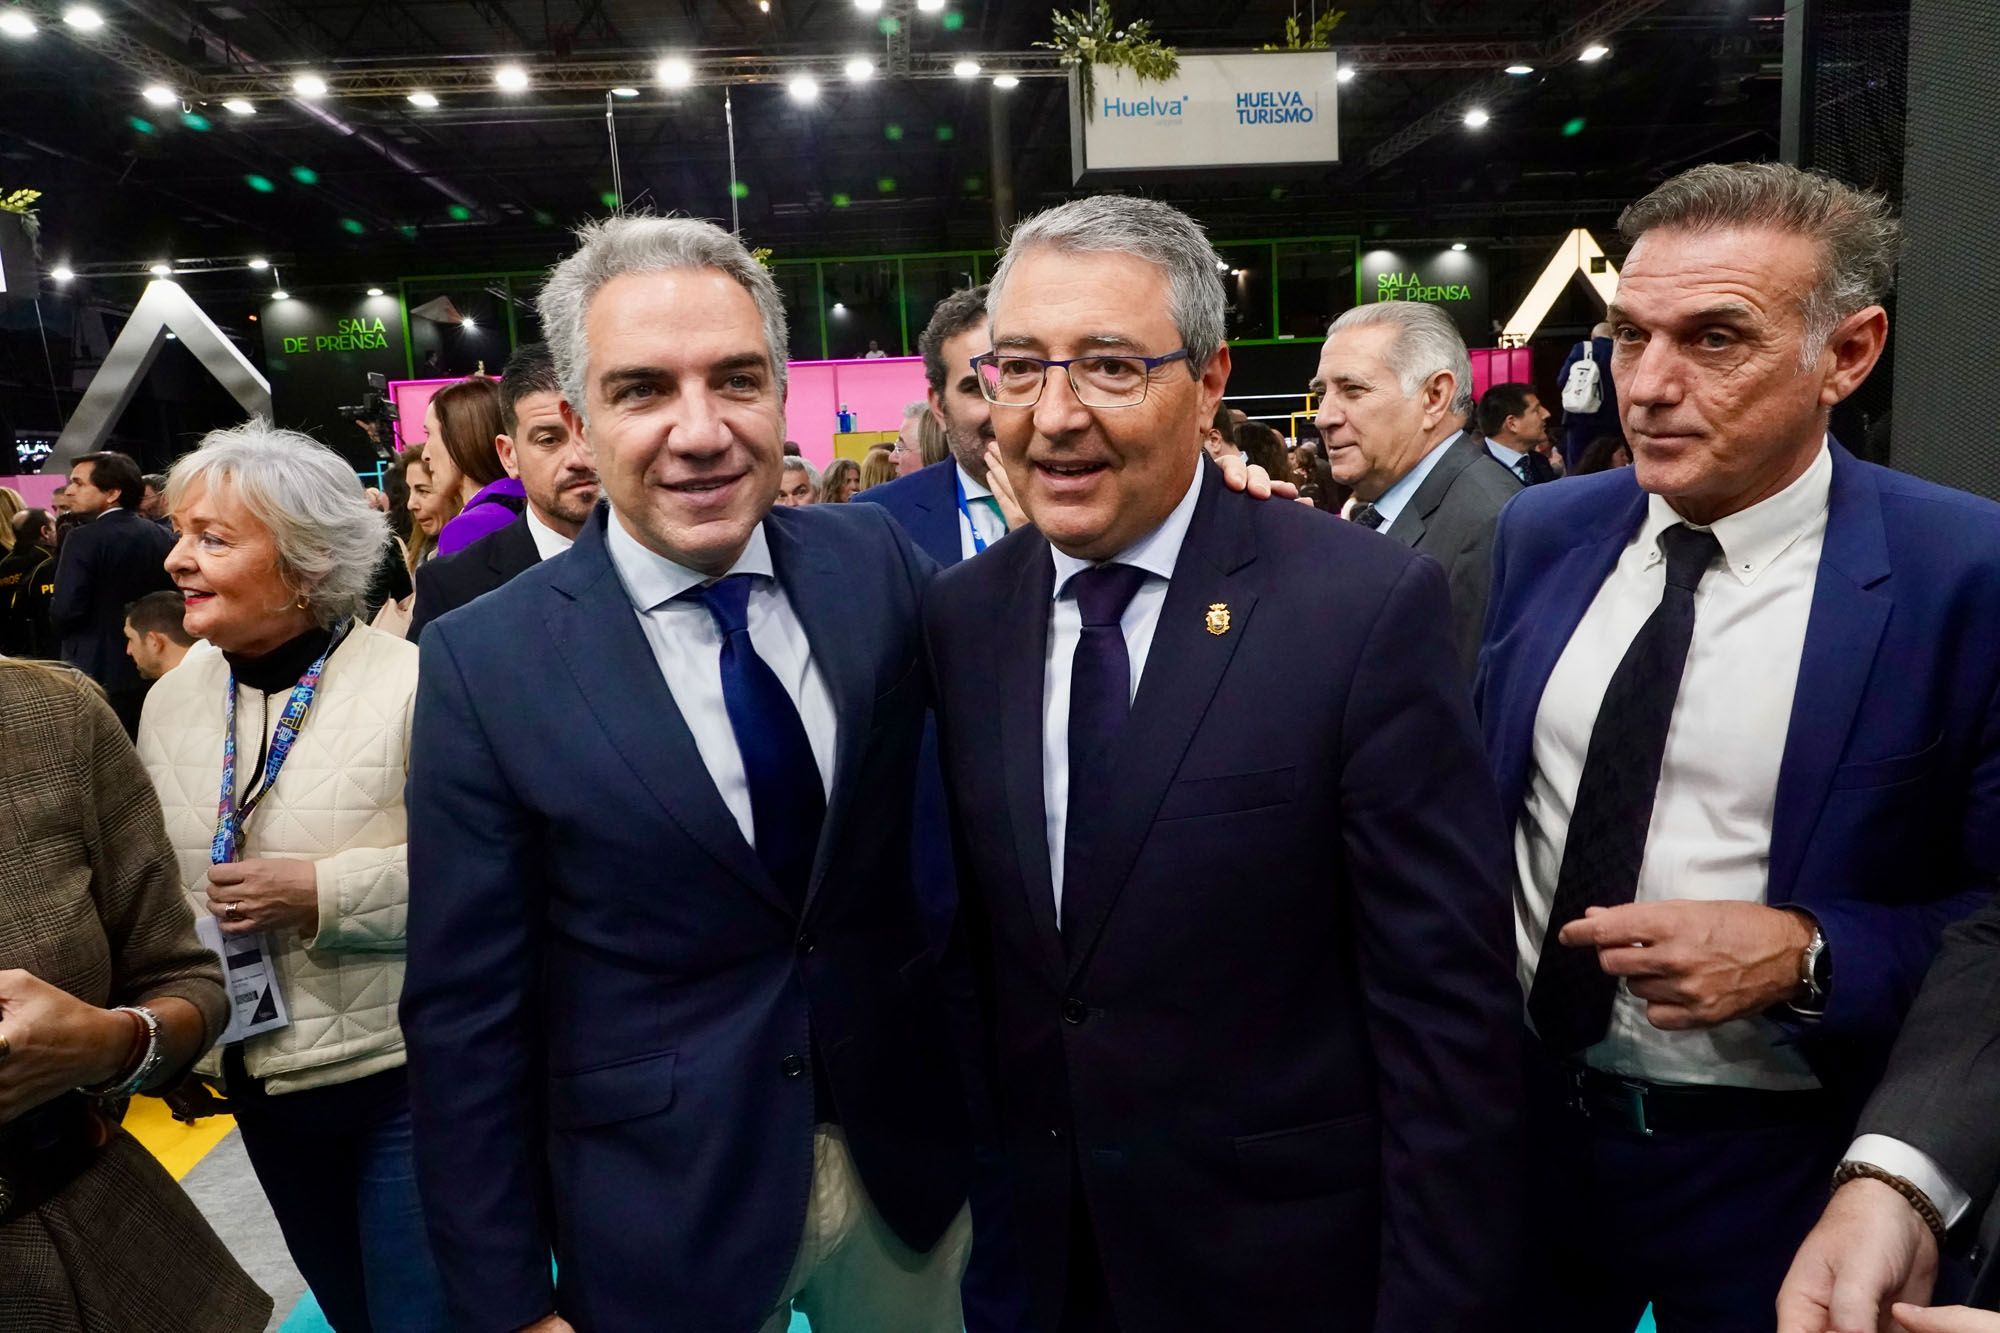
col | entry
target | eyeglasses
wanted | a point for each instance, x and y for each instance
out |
(1098, 381)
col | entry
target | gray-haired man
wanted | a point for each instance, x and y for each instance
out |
(1394, 385)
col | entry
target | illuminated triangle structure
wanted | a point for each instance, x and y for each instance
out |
(164, 307)
(1574, 256)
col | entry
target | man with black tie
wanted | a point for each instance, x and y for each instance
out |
(1395, 388)
(1244, 964)
(1516, 426)
(1741, 703)
(112, 559)
(669, 1006)
(553, 462)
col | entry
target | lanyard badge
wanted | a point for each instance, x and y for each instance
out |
(229, 820)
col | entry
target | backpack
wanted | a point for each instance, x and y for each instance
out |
(1583, 391)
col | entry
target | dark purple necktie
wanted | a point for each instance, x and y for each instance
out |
(1570, 1001)
(1100, 699)
(787, 797)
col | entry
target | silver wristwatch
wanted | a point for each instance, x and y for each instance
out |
(1815, 975)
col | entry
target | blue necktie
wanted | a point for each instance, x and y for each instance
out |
(1100, 699)
(787, 798)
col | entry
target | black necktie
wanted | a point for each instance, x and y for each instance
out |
(787, 797)
(1100, 699)
(1366, 514)
(1570, 1002)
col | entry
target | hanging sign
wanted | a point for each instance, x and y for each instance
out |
(1259, 109)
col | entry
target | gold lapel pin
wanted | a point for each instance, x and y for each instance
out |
(1218, 618)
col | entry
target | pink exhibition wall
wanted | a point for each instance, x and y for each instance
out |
(875, 391)
(1500, 365)
(37, 488)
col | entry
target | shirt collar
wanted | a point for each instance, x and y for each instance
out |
(973, 488)
(1157, 552)
(1505, 453)
(1392, 501)
(548, 542)
(1752, 538)
(651, 580)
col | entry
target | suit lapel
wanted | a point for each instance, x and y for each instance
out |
(512, 551)
(1021, 670)
(1411, 524)
(1849, 613)
(821, 598)
(594, 629)
(1183, 668)
(940, 526)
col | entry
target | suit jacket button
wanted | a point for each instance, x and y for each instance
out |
(792, 1066)
(1055, 1133)
(1074, 1011)
(806, 942)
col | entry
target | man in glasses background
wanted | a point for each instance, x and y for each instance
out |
(1245, 960)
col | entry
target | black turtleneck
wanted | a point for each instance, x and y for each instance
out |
(280, 668)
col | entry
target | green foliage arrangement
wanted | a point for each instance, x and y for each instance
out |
(1320, 38)
(1091, 37)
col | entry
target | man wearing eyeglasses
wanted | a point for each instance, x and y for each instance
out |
(1245, 959)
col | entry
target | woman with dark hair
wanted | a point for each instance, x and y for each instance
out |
(460, 427)
(840, 481)
(1606, 452)
(1265, 448)
(104, 992)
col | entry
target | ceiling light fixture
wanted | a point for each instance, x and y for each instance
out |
(1345, 74)
(624, 92)
(281, 295)
(160, 95)
(1518, 70)
(803, 88)
(62, 273)
(162, 270)
(1458, 246)
(236, 106)
(374, 291)
(470, 324)
(966, 69)
(420, 98)
(1006, 82)
(860, 69)
(83, 18)
(16, 24)
(1593, 53)
(930, 6)
(511, 79)
(868, 6)
(260, 263)
(310, 86)
(1477, 118)
(673, 72)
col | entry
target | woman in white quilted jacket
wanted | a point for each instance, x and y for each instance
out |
(279, 750)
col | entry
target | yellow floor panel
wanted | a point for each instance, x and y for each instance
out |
(178, 1147)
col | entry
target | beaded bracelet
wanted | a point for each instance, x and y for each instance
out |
(1912, 1195)
(148, 1063)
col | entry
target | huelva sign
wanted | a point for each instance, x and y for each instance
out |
(349, 335)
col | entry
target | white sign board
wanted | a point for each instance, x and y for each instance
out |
(1265, 109)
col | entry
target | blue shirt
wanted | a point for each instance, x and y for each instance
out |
(1507, 458)
(1393, 499)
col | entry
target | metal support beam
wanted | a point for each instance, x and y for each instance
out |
(1801, 85)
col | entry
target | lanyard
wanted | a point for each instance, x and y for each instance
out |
(958, 485)
(229, 821)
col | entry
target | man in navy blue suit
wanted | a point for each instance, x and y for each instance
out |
(669, 1007)
(1242, 950)
(1741, 703)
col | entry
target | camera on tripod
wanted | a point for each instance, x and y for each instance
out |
(375, 414)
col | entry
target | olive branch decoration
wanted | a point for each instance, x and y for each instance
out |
(1091, 37)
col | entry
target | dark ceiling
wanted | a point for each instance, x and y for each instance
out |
(489, 181)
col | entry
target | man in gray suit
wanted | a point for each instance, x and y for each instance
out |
(1395, 386)
(1935, 1118)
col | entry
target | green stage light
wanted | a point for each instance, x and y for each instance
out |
(842, 200)
(974, 184)
(889, 26)
(886, 185)
(305, 175)
(609, 199)
(1277, 193)
(195, 121)
(352, 226)
(739, 190)
(945, 133)
(261, 184)
(141, 124)
(545, 218)
(459, 213)
(1574, 127)
(892, 132)
(409, 230)
(952, 22)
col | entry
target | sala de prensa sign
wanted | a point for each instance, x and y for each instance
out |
(349, 335)
(1280, 107)
(1411, 287)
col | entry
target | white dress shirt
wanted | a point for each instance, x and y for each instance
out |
(1710, 837)
(548, 542)
(1392, 500)
(990, 526)
(688, 647)
(1505, 457)
(1157, 553)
